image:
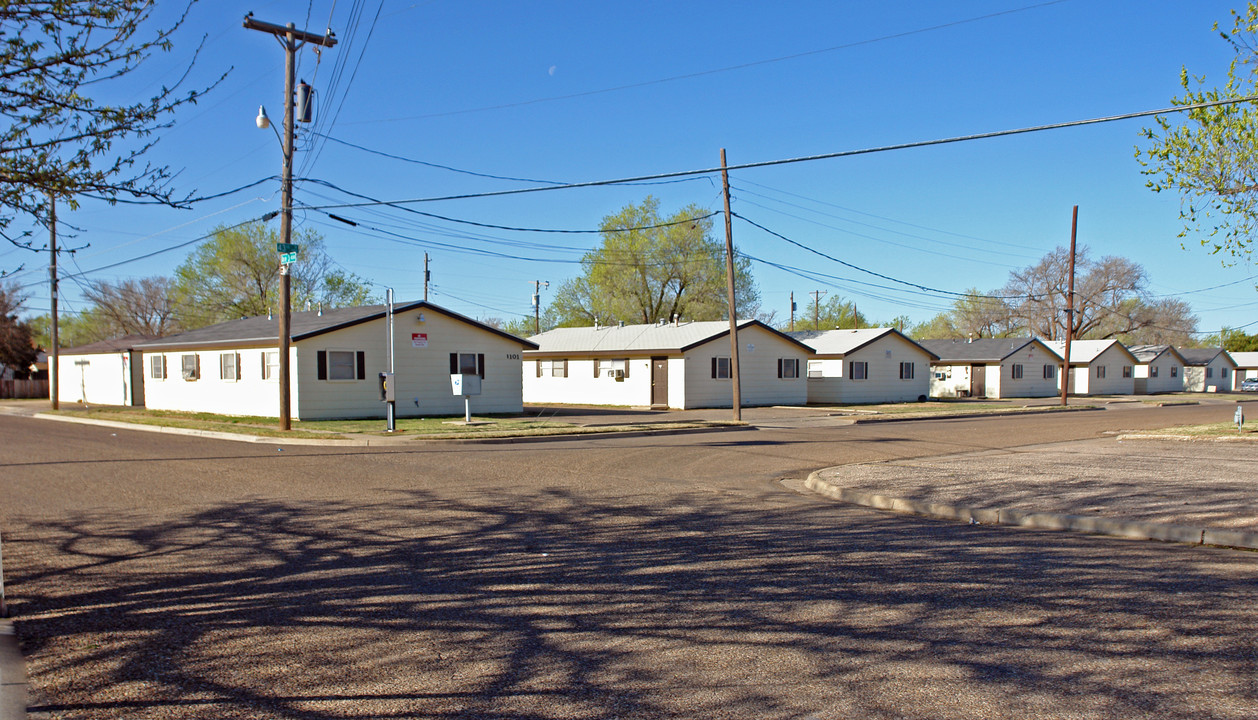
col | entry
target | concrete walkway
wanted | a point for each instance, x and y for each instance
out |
(1192, 492)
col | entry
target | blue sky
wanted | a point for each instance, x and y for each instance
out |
(581, 91)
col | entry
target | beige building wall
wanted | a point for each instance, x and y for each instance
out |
(249, 394)
(758, 353)
(1032, 358)
(98, 378)
(1163, 374)
(883, 384)
(581, 387)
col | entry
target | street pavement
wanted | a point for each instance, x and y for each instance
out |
(676, 576)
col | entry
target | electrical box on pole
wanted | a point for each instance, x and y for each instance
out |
(305, 102)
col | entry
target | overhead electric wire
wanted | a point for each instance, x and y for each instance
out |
(811, 158)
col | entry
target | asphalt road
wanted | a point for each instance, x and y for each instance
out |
(158, 576)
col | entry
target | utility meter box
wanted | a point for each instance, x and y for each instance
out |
(388, 391)
(465, 384)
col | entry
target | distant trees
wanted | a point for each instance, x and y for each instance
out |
(833, 313)
(237, 274)
(650, 268)
(133, 307)
(17, 351)
(1111, 301)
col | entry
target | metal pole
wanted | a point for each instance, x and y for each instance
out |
(54, 357)
(1070, 308)
(729, 288)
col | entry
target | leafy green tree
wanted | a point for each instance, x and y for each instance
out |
(237, 274)
(64, 131)
(651, 268)
(830, 314)
(975, 314)
(1210, 157)
(1233, 341)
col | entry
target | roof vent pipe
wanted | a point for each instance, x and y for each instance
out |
(621, 323)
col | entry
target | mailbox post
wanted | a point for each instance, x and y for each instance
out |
(1239, 418)
(467, 385)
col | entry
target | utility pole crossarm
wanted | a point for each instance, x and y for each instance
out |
(298, 35)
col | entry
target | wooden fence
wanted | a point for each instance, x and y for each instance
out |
(23, 389)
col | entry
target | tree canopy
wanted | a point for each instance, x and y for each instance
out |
(651, 268)
(64, 132)
(17, 351)
(829, 315)
(1210, 156)
(237, 274)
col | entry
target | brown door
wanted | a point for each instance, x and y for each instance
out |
(978, 381)
(659, 381)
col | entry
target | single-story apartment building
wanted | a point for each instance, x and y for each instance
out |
(1159, 369)
(108, 372)
(335, 359)
(1098, 367)
(1246, 365)
(678, 365)
(868, 365)
(992, 368)
(1208, 370)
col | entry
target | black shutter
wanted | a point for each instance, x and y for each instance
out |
(362, 365)
(454, 363)
(714, 368)
(779, 368)
(321, 363)
(480, 364)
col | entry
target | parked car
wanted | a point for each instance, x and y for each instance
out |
(1249, 385)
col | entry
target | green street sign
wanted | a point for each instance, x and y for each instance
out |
(288, 258)
(286, 247)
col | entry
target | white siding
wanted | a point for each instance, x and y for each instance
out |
(1032, 358)
(883, 383)
(580, 387)
(1164, 382)
(955, 381)
(759, 351)
(1113, 360)
(1195, 379)
(248, 395)
(96, 379)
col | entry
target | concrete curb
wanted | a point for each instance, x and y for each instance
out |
(865, 419)
(1094, 525)
(1187, 438)
(13, 690)
(374, 441)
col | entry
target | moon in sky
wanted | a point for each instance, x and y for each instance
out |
(551, 71)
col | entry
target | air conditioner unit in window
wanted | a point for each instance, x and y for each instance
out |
(619, 375)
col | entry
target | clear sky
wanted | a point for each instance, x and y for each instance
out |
(585, 91)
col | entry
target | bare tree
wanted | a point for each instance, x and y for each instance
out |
(134, 307)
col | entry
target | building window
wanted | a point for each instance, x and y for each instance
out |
(788, 368)
(1223, 373)
(467, 364)
(270, 364)
(906, 371)
(1016, 372)
(552, 368)
(1100, 371)
(341, 365)
(1050, 372)
(190, 366)
(858, 370)
(157, 367)
(1209, 372)
(1126, 371)
(229, 366)
(1153, 371)
(814, 369)
(608, 368)
(720, 368)
(1174, 371)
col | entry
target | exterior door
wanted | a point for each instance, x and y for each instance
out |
(978, 381)
(659, 381)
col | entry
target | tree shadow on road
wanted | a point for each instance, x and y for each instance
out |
(552, 604)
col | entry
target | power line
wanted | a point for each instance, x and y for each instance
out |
(811, 158)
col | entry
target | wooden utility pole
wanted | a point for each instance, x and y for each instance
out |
(1070, 308)
(54, 357)
(292, 39)
(427, 276)
(733, 309)
(816, 308)
(792, 311)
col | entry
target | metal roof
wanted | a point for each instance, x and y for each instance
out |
(641, 339)
(265, 329)
(1245, 359)
(980, 350)
(1083, 352)
(1149, 353)
(842, 342)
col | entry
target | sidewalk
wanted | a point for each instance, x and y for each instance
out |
(1199, 492)
(12, 675)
